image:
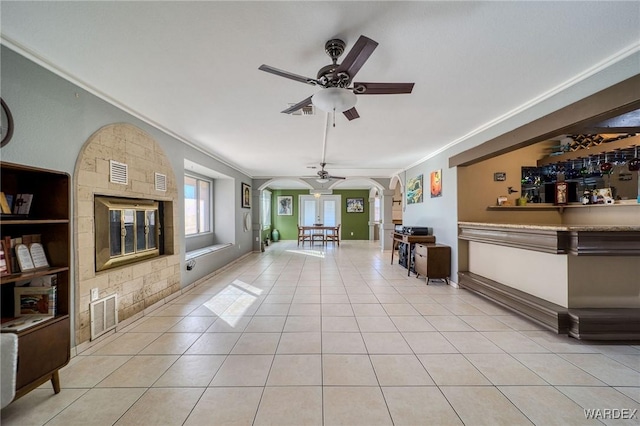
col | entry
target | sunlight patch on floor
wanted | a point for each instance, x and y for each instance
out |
(314, 253)
(232, 302)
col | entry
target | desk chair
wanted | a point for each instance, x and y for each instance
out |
(303, 236)
(333, 235)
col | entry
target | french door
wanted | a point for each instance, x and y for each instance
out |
(324, 210)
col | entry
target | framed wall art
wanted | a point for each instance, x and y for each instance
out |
(246, 195)
(414, 190)
(285, 205)
(355, 205)
(436, 183)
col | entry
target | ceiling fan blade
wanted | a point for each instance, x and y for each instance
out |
(357, 56)
(382, 88)
(351, 114)
(287, 74)
(297, 106)
(336, 177)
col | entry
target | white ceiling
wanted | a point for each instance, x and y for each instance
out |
(192, 69)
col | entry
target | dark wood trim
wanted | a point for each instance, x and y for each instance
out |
(618, 99)
(594, 243)
(556, 241)
(549, 315)
(542, 240)
(617, 324)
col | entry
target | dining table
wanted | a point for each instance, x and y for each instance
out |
(312, 229)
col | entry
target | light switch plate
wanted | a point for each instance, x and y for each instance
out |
(95, 294)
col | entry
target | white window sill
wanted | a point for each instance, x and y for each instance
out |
(205, 250)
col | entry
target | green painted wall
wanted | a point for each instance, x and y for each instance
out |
(287, 226)
(358, 223)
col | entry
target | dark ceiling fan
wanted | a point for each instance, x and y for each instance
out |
(339, 90)
(324, 176)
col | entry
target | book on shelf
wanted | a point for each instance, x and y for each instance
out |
(4, 204)
(27, 239)
(22, 323)
(5, 261)
(34, 301)
(15, 268)
(44, 281)
(22, 204)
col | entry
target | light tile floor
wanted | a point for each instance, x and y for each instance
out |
(302, 336)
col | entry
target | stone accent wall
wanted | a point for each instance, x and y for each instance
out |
(142, 284)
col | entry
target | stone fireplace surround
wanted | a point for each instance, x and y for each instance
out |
(141, 284)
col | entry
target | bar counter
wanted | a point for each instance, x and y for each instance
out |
(544, 271)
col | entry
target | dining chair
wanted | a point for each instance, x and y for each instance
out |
(303, 235)
(333, 235)
(318, 235)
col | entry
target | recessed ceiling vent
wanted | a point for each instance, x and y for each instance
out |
(308, 110)
(118, 172)
(161, 182)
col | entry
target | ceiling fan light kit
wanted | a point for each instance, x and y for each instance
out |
(318, 192)
(334, 99)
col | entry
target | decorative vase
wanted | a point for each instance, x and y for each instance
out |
(275, 235)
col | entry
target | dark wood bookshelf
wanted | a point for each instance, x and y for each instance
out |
(43, 348)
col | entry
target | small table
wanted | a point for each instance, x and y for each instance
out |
(410, 239)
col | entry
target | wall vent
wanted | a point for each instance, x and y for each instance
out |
(104, 315)
(161, 182)
(118, 172)
(308, 110)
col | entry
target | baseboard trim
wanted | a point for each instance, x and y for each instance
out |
(549, 315)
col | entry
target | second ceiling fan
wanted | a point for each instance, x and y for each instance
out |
(339, 91)
(324, 176)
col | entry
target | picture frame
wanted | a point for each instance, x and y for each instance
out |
(602, 195)
(245, 195)
(30, 301)
(285, 205)
(355, 205)
(499, 177)
(436, 183)
(561, 194)
(414, 190)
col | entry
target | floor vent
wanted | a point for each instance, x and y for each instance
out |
(161, 182)
(118, 172)
(104, 315)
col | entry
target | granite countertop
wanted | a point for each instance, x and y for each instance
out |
(541, 227)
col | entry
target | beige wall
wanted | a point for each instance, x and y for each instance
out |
(602, 214)
(142, 284)
(477, 189)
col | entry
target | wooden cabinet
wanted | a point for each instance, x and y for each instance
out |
(43, 348)
(433, 261)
